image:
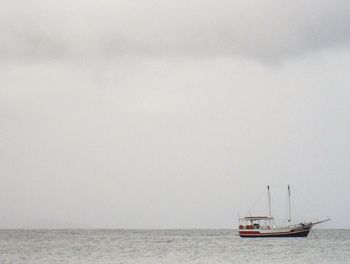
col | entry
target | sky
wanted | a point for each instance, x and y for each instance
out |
(172, 114)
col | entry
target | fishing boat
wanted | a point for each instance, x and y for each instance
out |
(263, 226)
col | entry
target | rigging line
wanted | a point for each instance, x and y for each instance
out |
(257, 200)
(301, 208)
(313, 205)
(310, 204)
(313, 232)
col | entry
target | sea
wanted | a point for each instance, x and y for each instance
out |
(169, 246)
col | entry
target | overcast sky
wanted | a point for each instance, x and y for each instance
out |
(171, 114)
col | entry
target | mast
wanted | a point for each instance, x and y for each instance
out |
(289, 208)
(269, 198)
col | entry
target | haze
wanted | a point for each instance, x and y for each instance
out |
(170, 114)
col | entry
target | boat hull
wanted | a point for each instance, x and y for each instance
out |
(280, 232)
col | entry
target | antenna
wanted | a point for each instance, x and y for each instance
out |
(269, 198)
(289, 208)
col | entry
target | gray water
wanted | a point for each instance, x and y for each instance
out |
(169, 246)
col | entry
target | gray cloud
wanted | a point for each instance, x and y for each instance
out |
(169, 143)
(160, 114)
(265, 30)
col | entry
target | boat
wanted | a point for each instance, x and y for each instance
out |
(263, 226)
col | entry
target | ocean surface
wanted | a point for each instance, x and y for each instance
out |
(169, 246)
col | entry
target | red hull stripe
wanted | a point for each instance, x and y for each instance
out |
(250, 233)
(257, 233)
